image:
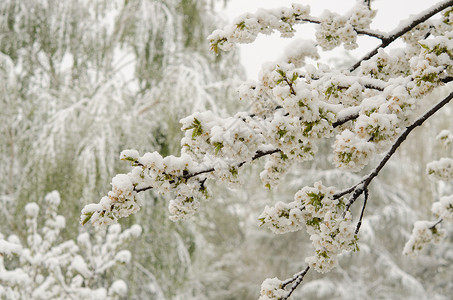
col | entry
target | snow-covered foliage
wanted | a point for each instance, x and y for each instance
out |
(45, 267)
(370, 108)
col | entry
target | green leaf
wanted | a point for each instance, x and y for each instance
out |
(87, 218)
(281, 133)
(218, 146)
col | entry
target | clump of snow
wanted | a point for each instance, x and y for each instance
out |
(124, 256)
(53, 198)
(32, 210)
(8, 248)
(118, 288)
(136, 230)
(129, 154)
(79, 264)
(296, 52)
(122, 182)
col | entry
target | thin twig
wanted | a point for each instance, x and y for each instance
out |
(290, 85)
(365, 195)
(368, 32)
(437, 223)
(297, 279)
(345, 119)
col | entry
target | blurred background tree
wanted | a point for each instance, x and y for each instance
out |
(81, 81)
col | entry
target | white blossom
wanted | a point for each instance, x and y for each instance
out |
(422, 234)
(444, 208)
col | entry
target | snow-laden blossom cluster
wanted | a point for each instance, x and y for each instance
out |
(424, 233)
(444, 208)
(235, 138)
(247, 27)
(271, 289)
(46, 268)
(441, 169)
(329, 226)
(333, 28)
(165, 175)
(446, 137)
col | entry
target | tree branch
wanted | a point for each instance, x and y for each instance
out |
(398, 32)
(361, 186)
(369, 32)
(345, 119)
(437, 223)
(359, 224)
(258, 154)
(297, 279)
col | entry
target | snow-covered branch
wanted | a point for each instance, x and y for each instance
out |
(406, 26)
(370, 109)
(362, 186)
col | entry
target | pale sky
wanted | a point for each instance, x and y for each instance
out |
(269, 48)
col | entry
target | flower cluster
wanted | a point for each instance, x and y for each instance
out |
(441, 169)
(351, 152)
(444, 208)
(271, 289)
(330, 228)
(379, 123)
(343, 89)
(165, 175)
(384, 66)
(48, 268)
(275, 168)
(361, 16)
(446, 137)
(235, 138)
(248, 26)
(424, 232)
(433, 64)
(333, 30)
